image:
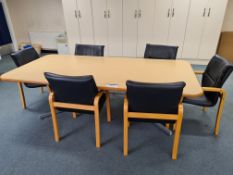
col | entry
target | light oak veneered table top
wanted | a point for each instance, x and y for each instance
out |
(108, 71)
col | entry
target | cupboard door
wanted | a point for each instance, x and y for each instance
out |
(115, 27)
(84, 14)
(100, 22)
(195, 27)
(179, 15)
(130, 27)
(162, 21)
(72, 25)
(145, 25)
(213, 26)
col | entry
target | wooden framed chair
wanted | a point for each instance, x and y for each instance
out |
(89, 50)
(21, 58)
(160, 52)
(214, 76)
(76, 94)
(161, 103)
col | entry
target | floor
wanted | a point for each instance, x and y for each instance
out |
(27, 146)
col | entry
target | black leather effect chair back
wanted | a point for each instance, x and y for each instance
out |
(160, 52)
(154, 98)
(215, 75)
(24, 56)
(67, 89)
(89, 50)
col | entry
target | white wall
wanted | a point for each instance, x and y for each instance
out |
(228, 22)
(35, 15)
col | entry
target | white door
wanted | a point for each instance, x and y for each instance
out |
(145, 25)
(84, 14)
(115, 31)
(213, 26)
(162, 21)
(195, 26)
(72, 25)
(100, 23)
(179, 15)
(130, 27)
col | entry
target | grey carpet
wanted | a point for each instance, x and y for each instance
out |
(27, 146)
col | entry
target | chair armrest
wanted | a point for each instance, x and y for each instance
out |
(199, 72)
(126, 108)
(97, 98)
(126, 104)
(180, 109)
(213, 89)
(51, 97)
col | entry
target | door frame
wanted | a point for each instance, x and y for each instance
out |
(10, 25)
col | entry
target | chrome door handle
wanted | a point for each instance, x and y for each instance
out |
(209, 12)
(168, 13)
(79, 14)
(139, 13)
(105, 14)
(173, 12)
(135, 14)
(109, 14)
(204, 12)
(75, 14)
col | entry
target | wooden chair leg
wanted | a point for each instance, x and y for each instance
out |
(126, 134)
(42, 90)
(176, 138)
(174, 127)
(54, 120)
(219, 114)
(22, 97)
(49, 89)
(74, 115)
(108, 106)
(97, 127)
(204, 109)
(167, 125)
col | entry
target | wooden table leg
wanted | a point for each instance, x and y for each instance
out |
(21, 93)
(74, 115)
(108, 106)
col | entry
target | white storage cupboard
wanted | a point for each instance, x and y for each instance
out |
(125, 26)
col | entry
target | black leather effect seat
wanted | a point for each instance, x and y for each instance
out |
(89, 50)
(215, 75)
(160, 52)
(76, 90)
(154, 102)
(23, 57)
(154, 98)
(76, 94)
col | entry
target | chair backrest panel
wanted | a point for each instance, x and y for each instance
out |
(154, 98)
(68, 89)
(215, 75)
(160, 52)
(89, 50)
(24, 56)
